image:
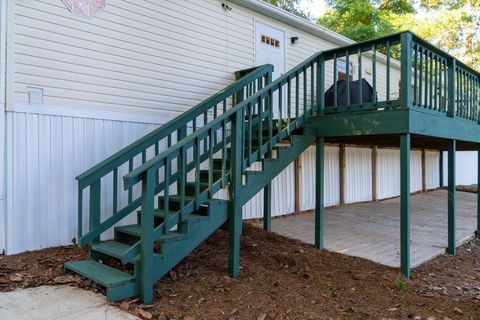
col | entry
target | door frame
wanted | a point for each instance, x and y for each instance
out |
(255, 51)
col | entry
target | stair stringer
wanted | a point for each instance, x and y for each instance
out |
(174, 252)
(273, 167)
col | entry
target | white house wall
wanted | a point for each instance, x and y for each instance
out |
(432, 163)
(307, 178)
(112, 78)
(466, 168)
(283, 196)
(44, 154)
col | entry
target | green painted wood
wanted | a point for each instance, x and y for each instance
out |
(440, 168)
(267, 207)
(406, 70)
(234, 208)
(451, 87)
(319, 192)
(405, 204)
(253, 134)
(478, 196)
(95, 203)
(145, 275)
(104, 275)
(111, 248)
(451, 197)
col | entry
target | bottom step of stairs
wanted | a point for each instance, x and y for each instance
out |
(118, 284)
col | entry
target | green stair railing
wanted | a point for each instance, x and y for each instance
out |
(253, 130)
(150, 146)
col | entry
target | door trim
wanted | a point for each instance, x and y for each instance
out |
(255, 21)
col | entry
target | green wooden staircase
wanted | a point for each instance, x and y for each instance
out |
(159, 198)
(172, 179)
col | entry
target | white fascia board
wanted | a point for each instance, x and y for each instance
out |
(288, 18)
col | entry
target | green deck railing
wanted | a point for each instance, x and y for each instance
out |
(405, 71)
(108, 171)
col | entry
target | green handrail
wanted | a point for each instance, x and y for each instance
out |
(252, 115)
(175, 129)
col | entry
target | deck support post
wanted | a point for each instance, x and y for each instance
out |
(146, 239)
(267, 207)
(451, 197)
(440, 168)
(478, 196)
(374, 173)
(405, 204)
(234, 209)
(341, 172)
(319, 192)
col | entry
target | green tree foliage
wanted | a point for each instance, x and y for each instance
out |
(292, 6)
(453, 25)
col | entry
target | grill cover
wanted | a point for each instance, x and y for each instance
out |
(367, 93)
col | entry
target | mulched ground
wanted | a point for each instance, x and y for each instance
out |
(281, 279)
(468, 188)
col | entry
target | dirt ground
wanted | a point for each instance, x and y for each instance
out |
(468, 188)
(281, 279)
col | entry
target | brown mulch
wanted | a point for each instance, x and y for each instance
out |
(468, 188)
(281, 279)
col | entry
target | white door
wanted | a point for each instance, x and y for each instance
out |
(270, 49)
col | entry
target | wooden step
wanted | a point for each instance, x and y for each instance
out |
(112, 248)
(105, 275)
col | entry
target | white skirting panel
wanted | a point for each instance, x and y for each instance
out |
(358, 175)
(432, 163)
(388, 172)
(466, 167)
(44, 155)
(307, 178)
(283, 195)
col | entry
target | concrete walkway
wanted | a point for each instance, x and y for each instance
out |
(58, 303)
(372, 230)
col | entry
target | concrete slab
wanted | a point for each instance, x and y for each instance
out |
(58, 303)
(372, 230)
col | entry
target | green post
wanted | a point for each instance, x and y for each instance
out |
(234, 210)
(146, 239)
(406, 70)
(94, 219)
(452, 65)
(451, 197)
(321, 83)
(267, 207)
(440, 165)
(405, 204)
(319, 193)
(478, 196)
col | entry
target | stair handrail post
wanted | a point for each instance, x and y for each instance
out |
(406, 43)
(94, 208)
(452, 69)
(146, 237)
(321, 83)
(235, 210)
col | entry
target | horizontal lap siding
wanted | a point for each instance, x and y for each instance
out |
(136, 56)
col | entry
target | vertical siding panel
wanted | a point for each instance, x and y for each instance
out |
(358, 174)
(432, 174)
(307, 178)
